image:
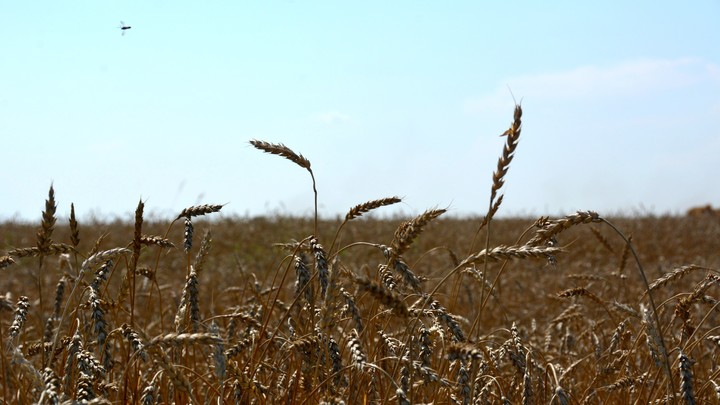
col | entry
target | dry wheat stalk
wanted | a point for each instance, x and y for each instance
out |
(84, 388)
(686, 378)
(101, 257)
(6, 261)
(240, 346)
(602, 239)
(387, 277)
(511, 252)
(617, 334)
(676, 274)
(561, 396)
(188, 235)
(626, 309)
(189, 300)
(134, 339)
(137, 235)
(352, 309)
(429, 375)
(20, 317)
(478, 276)
(425, 346)
(520, 350)
(26, 368)
(156, 240)
(716, 388)
(331, 299)
(385, 296)
(682, 308)
(409, 230)
(402, 397)
(571, 312)
(336, 359)
(59, 291)
(52, 387)
(199, 210)
(74, 347)
(321, 265)
(627, 382)
(365, 207)
(98, 313)
(87, 363)
(184, 339)
(218, 353)
(407, 275)
(463, 351)
(491, 213)
(34, 349)
(302, 279)
(203, 253)
(653, 337)
(358, 356)
(74, 228)
(50, 250)
(553, 227)
(625, 255)
(300, 160)
(145, 272)
(44, 234)
(128, 282)
(580, 292)
(149, 394)
(281, 150)
(442, 315)
(511, 142)
(97, 244)
(715, 339)
(586, 277)
(178, 379)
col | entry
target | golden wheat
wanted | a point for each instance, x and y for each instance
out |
(223, 320)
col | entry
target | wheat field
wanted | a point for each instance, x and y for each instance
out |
(363, 309)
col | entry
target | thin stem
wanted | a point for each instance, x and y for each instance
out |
(652, 304)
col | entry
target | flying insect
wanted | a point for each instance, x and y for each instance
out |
(123, 27)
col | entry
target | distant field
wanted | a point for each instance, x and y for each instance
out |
(573, 328)
(209, 309)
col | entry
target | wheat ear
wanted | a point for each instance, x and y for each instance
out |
(300, 160)
(409, 230)
(74, 228)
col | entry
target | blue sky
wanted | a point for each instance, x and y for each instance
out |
(406, 98)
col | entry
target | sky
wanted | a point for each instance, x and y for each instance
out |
(621, 106)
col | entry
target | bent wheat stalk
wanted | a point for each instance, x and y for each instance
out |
(300, 160)
(661, 339)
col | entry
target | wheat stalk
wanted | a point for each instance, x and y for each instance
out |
(199, 210)
(686, 378)
(282, 150)
(368, 206)
(157, 241)
(385, 296)
(6, 261)
(552, 228)
(511, 252)
(44, 234)
(675, 274)
(74, 227)
(409, 230)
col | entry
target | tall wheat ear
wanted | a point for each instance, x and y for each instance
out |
(300, 160)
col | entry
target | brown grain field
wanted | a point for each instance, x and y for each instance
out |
(215, 309)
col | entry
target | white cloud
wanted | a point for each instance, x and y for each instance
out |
(636, 78)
